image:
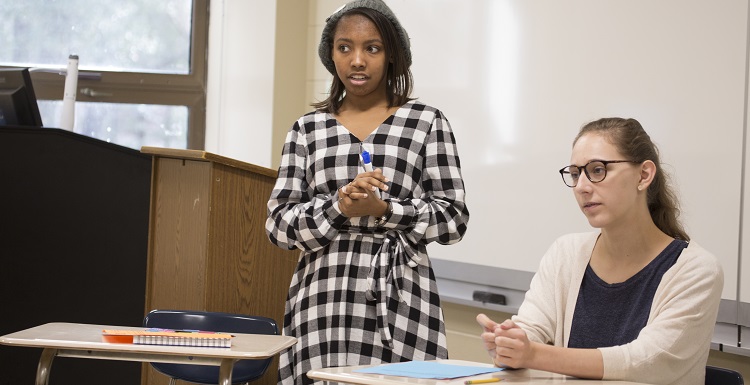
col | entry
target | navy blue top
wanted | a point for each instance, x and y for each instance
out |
(613, 314)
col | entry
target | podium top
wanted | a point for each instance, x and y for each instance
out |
(207, 157)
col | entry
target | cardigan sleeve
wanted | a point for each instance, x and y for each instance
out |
(539, 314)
(673, 347)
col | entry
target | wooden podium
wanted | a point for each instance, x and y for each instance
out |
(207, 247)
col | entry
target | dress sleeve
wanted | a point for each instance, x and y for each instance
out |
(440, 214)
(678, 334)
(296, 218)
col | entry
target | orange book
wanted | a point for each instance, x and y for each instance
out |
(171, 337)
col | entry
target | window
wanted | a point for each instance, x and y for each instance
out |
(142, 65)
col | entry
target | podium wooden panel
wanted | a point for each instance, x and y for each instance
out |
(208, 248)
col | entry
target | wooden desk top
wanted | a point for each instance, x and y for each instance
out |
(72, 336)
(200, 155)
(523, 376)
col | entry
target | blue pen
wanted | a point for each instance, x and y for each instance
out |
(368, 166)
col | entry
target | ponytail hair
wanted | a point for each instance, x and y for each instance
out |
(631, 140)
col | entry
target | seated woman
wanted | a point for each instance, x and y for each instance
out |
(635, 301)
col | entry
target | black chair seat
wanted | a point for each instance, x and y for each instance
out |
(723, 376)
(243, 371)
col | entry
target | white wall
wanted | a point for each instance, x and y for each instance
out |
(239, 109)
(517, 78)
(516, 81)
(522, 76)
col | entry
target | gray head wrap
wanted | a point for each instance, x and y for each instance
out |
(324, 49)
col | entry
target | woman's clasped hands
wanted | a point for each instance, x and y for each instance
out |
(506, 343)
(359, 197)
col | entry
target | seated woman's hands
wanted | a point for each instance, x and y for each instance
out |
(506, 343)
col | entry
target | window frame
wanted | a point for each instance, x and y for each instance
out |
(145, 88)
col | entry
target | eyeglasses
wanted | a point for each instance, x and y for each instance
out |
(596, 171)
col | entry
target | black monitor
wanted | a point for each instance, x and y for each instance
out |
(18, 105)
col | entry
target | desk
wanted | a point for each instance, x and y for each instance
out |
(85, 341)
(523, 376)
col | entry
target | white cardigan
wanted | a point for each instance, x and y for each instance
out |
(673, 346)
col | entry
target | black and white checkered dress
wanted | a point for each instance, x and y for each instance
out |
(364, 294)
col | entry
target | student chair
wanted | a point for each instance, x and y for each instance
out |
(723, 376)
(243, 371)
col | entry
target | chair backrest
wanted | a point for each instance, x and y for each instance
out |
(244, 370)
(723, 376)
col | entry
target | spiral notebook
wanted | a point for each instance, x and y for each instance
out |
(170, 337)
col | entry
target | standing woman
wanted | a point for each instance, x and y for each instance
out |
(364, 291)
(635, 301)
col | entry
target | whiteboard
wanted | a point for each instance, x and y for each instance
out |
(518, 78)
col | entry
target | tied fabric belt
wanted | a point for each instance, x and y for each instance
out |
(387, 268)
